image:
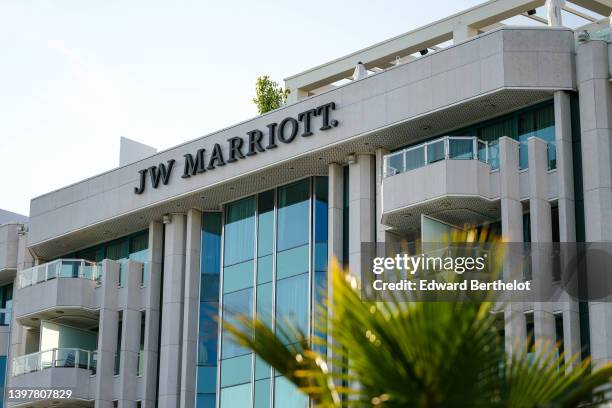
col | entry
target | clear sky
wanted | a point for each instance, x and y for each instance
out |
(76, 75)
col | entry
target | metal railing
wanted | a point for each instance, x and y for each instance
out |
(61, 268)
(54, 358)
(444, 148)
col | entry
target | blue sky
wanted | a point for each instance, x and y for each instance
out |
(75, 75)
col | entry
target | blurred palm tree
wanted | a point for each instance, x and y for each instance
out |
(416, 354)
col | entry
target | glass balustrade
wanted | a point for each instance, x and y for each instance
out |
(444, 148)
(5, 317)
(58, 357)
(61, 268)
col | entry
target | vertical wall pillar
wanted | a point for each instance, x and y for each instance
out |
(567, 214)
(107, 336)
(512, 232)
(152, 305)
(130, 339)
(172, 312)
(362, 207)
(596, 139)
(191, 308)
(381, 229)
(541, 238)
(565, 170)
(335, 208)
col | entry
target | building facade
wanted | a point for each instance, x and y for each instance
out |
(114, 286)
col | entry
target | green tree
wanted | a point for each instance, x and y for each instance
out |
(268, 95)
(417, 354)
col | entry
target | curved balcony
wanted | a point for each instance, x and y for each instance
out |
(61, 368)
(61, 291)
(450, 178)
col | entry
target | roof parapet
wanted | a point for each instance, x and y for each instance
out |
(456, 28)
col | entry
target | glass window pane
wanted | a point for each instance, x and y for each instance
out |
(262, 369)
(264, 269)
(238, 276)
(435, 151)
(461, 149)
(207, 333)
(236, 370)
(205, 401)
(211, 243)
(293, 215)
(207, 380)
(265, 234)
(292, 303)
(264, 303)
(236, 303)
(292, 261)
(262, 394)
(395, 163)
(239, 231)
(237, 396)
(287, 395)
(209, 287)
(415, 158)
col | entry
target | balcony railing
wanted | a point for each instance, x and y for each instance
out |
(61, 268)
(58, 357)
(447, 147)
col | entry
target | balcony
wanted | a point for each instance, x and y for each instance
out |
(444, 148)
(61, 268)
(61, 368)
(63, 291)
(55, 358)
(450, 178)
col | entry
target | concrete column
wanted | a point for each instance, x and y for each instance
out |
(565, 170)
(541, 238)
(172, 312)
(381, 229)
(567, 213)
(463, 32)
(152, 305)
(107, 336)
(130, 339)
(512, 232)
(362, 207)
(596, 140)
(335, 210)
(334, 239)
(191, 308)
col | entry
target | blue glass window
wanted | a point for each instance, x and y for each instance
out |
(236, 370)
(262, 394)
(239, 231)
(293, 215)
(238, 303)
(236, 396)
(292, 304)
(210, 267)
(265, 235)
(287, 395)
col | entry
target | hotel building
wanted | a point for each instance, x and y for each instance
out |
(495, 115)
